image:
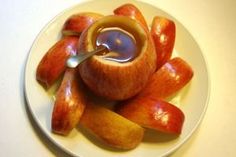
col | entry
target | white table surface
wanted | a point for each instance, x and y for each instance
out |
(211, 22)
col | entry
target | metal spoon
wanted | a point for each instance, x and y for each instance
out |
(112, 40)
(74, 61)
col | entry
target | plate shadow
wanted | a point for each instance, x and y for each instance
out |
(153, 136)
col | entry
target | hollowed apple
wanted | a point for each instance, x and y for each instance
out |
(114, 80)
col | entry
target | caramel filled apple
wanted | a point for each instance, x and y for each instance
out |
(122, 47)
(117, 80)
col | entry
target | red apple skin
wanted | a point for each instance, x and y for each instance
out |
(133, 12)
(169, 79)
(151, 112)
(77, 23)
(53, 63)
(163, 35)
(69, 105)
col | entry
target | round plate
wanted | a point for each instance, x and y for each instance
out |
(192, 99)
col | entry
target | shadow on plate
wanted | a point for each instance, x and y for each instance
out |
(153, 136)
(57, 151)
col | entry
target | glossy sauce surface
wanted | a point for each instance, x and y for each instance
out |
(122, 47)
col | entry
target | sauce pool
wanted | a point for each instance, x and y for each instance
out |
(122, 47)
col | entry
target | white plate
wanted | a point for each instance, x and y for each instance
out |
(192, 100)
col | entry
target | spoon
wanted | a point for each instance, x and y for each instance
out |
(75, 60)
(112, 40)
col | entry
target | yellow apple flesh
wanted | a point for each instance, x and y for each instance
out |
(111, 128)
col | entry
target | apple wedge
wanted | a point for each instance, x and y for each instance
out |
(131, 11)
(69, 105)
(52, 65)
(77, 23)
(151, 112)
(111, 128)
(169, 79)
(163, 35)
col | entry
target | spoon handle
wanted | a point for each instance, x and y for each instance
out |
(74, 61)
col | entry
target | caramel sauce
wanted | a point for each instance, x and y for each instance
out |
(122, 47)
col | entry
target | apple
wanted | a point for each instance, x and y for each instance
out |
(52, 65)
(163, 35)
(114, 80)
(148, 108)
(69, 104)
(77, 23)
(154, 113)
(169, 79)
(111, 128)
(131, 11)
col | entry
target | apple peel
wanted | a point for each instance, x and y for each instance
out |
(169, 79)
(52, 65)
(131, 11)
(70, 103)
(153, 113)
(163, 35)
(77, 23)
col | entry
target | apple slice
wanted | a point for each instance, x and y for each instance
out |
(52, 65)
(77, 23)
(163, 35)
(69, 104)
(153, 113)
(111, 128)
(169, 79)
(131, 11)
